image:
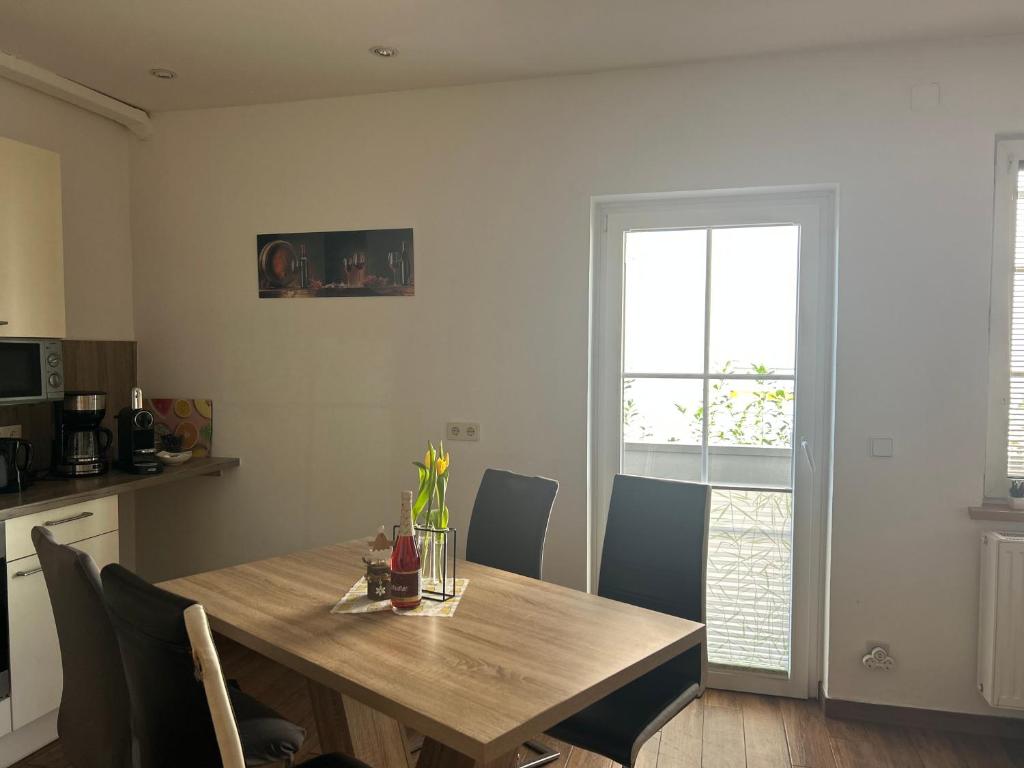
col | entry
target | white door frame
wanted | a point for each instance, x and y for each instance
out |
(812, 206)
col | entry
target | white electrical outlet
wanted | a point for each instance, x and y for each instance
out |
(13, 430)
(463, 430)
(878, 657)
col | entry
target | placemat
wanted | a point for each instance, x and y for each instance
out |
(354, 601)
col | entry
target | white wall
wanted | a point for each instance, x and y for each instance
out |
(328, 401)
(95, 155)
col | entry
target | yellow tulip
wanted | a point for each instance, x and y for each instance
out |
(441, 465)
(426, 458)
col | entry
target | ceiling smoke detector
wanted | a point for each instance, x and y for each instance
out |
(384, 51)
(163, 74)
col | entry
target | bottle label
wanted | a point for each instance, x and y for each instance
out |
(405, 586)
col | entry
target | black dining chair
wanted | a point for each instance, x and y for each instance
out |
(170, 716)
(507, 531)
(654, 556)
(225, 726)
(93, 722)
(510, 521)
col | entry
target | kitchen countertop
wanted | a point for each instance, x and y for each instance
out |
(52, 493)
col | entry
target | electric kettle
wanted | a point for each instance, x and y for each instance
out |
(15, 464)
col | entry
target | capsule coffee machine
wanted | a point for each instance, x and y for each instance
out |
(136, 439)
(80, 443)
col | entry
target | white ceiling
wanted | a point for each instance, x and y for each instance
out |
(253, 51)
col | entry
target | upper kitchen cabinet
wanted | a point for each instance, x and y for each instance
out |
(31, 242)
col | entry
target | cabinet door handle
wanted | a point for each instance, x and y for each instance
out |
(81, 516)
(28, 572)
(4, 322)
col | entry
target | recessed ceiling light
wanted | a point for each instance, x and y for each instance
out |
(163, 74)
(384, 51)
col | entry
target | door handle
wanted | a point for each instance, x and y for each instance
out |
(807, 453)
(4, 322)
(29, 572)
(81, 516)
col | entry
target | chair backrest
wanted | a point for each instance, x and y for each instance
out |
(171, 724)
(510, 522)
(655, 545)
(207, 663)
(94, 722)
(655, 552)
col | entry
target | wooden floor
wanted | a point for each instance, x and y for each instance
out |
(722, 730)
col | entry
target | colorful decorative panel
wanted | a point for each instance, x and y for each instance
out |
(189, 419)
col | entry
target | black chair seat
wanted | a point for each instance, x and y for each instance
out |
(266, 736)
(224, 704)
(94, 719)
(665, 574)
(619, 724)
(171, 722)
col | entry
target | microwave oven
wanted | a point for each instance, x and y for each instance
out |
(31, 370)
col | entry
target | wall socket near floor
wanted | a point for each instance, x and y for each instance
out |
(878, 657)
(463, 430)
(12, 430)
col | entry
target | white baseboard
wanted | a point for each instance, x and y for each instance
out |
(28, 739)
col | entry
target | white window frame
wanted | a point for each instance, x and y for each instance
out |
(1009, 155)
(810, 530)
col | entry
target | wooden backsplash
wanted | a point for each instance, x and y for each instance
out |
(108, 366)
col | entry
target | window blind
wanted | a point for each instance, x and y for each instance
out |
(1015, 424)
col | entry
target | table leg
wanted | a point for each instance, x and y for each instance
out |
(349, 726)
(437, 755)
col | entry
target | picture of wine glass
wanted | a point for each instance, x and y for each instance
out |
(395, 265)
(336, 264)
(355, 270)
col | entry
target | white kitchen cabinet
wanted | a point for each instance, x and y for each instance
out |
(31, 242)
(36, 676)
(69, 524)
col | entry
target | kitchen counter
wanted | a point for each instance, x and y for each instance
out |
(52, 493)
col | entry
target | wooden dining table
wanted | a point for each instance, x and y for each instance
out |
(517, 657)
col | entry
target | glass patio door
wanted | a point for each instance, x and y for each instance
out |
(709, 349)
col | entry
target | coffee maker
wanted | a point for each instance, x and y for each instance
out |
(15, 464)
(136, 439)
(80, 444)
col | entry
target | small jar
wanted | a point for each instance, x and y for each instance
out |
(378, 581)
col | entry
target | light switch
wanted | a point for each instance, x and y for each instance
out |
(881, 447)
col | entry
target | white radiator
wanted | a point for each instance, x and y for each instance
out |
(1001, 630)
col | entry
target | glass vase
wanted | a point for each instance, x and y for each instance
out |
(432, 554)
